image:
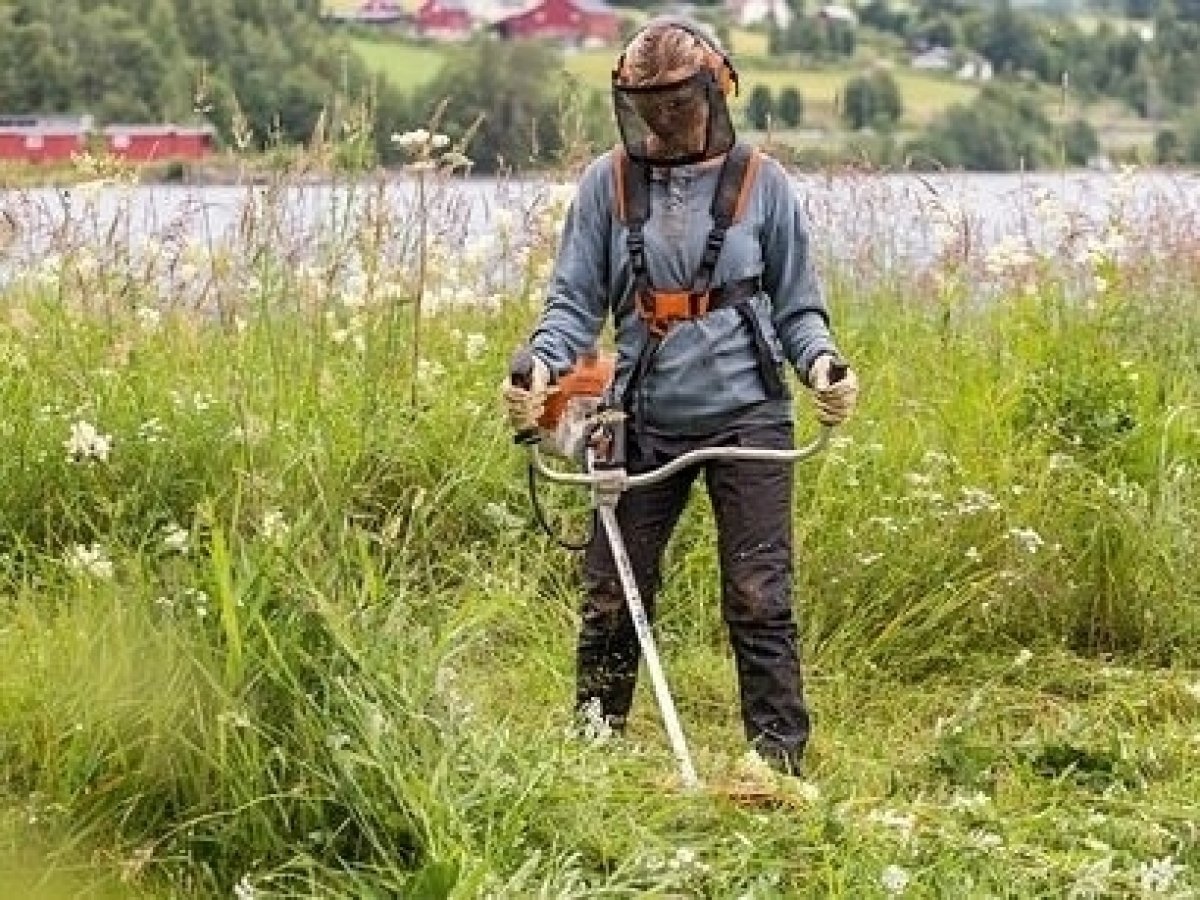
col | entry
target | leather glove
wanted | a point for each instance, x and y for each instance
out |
(834, 401)
(525, 407)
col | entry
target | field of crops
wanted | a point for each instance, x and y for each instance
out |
(276, 622)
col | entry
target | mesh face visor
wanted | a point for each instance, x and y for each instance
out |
(676, 123)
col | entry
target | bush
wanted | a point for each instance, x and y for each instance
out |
(1080, 142)
(760, 107)
(1191, 140)
(1004, 129)
(872, 101)
(791, 107)
(1167, 147)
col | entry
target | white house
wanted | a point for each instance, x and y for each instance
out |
(832, 12)
(935, 59)
(975, 69)
(757, 12)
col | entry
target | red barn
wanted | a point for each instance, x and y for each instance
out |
(444, 19)
(573, 21)
(33, 139)
(146, 143)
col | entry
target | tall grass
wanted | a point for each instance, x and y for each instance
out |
(272, 628)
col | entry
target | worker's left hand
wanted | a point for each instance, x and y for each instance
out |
(834, 400)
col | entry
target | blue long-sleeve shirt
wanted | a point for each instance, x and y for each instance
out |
(705, 373)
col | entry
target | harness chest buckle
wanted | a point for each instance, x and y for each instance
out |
(661, 309)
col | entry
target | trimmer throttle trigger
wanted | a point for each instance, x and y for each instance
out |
(520, 374)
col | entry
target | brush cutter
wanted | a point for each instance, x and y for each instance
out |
(577, 425)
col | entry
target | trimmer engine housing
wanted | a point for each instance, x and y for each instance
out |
(575, 406)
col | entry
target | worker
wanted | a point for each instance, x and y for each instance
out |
(696, 246)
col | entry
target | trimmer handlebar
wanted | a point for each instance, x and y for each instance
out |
(619, 479)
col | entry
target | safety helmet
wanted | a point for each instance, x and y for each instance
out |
(681, 121)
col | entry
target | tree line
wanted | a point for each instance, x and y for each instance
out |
(265, 72)
(261, 71)
(1153, 65)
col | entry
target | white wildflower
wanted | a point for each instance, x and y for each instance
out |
(148, 317)
(894, 880)
(1029, 539)
(176, 538)
(976, 500)
(411, 138)
(1158, 875)
(938, 458)
(429, 371)
(1092, 879)
(151, 431)
(805, 790)
(975, 801)
(439, 141)
(274, 527)
(985, 840)
(1023, 658)
(1058, 461)
(685, 857)
(973, 554)
(90, 560)
(199, 599)
(455, 160)
(86, 442)
(476, 344)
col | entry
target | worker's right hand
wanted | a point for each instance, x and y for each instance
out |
(835, 389)
(525, 404)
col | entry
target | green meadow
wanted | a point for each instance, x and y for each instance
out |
(276, 621)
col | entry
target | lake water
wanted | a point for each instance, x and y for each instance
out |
(875, 221)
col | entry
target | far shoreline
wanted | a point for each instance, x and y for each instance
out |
(250, 172)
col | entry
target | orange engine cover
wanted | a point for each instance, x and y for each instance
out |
(590, 377)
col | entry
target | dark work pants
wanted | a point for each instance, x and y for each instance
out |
(752, 502)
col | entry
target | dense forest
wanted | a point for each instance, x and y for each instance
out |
(260, 70)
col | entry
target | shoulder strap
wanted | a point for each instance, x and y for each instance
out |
(728, 206)
(631, 193)
(733, 186)
(631, 188)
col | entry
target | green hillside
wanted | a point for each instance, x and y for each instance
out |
(410, 64)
